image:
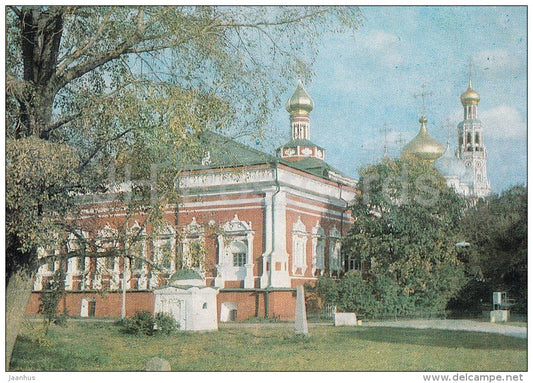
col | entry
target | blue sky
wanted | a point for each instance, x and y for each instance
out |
(368, 79)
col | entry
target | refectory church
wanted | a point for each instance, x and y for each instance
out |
(253, 225)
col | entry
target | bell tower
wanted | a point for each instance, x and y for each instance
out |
(471, 147)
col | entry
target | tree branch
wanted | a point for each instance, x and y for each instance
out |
(60, 123)
(101, 145)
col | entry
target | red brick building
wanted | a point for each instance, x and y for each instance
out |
(254, 225)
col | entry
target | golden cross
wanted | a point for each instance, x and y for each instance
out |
(423, 94)
(448, 128)
(385, 132)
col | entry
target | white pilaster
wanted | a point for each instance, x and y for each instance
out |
(280, 258)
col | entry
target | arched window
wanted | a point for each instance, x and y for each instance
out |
(235, 253)
(136, 246)
(106, 272)
(299, 244)
(319, 244)
(165, 249)
(193, 247)
(335, 260)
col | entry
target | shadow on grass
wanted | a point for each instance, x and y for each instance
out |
(32, 356)
(441, 338)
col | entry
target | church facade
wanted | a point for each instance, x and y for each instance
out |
(253, 225)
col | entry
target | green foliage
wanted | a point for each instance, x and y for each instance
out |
(50, 299)
(496, 229)
(165, 324)
(404, 236)
(144, 323)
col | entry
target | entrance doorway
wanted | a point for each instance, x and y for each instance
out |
(228, 312)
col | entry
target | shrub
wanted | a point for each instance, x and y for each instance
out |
(144, 323)
(165, 323)
(141, 323)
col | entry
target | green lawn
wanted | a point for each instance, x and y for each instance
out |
(97, 346)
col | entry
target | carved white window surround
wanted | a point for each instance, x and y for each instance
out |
(137, 250)
(74, 263)
(299, 245)
(193, 241)
(47, 269)
(105, 240)
(319, 244)
(234, 240)
(335, 260)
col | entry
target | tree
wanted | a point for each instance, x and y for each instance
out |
(404, 236)
(102, 87)
(496, 229)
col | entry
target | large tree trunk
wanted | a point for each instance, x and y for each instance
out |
(18, 294)
(41, 32)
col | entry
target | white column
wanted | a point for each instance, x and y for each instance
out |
(280, 257)
(249, 278)
(219, 279)
(71, 268)
(265, 277)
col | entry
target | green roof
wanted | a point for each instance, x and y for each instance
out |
(184, 274)
(314, 166)
(299, 142)
(227, 152)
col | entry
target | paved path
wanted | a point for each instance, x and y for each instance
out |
(455, 324)
(444, 324)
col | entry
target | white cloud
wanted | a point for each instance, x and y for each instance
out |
(504, 122)
(497, 61)
(383, 47)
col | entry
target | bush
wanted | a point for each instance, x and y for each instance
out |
(165, 323)
(144, 323)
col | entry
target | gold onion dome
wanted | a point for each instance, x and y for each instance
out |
(423, 145)
(470, 96)
(300, 102)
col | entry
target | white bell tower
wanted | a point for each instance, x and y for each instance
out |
(471, 146)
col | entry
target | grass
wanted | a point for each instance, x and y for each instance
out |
(98, 346)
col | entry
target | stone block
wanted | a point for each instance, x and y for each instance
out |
(157, 364)
(499, 316)
(345, 319)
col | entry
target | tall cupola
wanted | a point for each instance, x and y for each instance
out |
(471, 144)
(299, 102)
(470, 98)
(299, 105)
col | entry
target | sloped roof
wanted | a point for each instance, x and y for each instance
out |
(184, 274)
(227, 152)
(299, 142)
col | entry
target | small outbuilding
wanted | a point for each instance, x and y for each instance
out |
(189, 301)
